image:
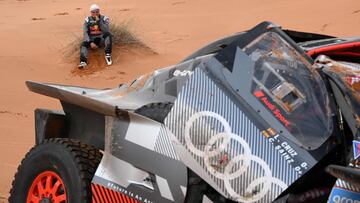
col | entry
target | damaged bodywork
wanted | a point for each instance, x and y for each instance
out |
(252, 116)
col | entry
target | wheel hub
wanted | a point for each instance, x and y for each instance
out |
(47, 187)
(45, 200)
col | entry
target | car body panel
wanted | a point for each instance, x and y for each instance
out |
(225, 125)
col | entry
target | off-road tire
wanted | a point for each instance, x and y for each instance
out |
(73, 161)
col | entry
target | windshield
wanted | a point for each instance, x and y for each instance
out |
(287, 85)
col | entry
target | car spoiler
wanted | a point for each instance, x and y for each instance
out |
(101, 101)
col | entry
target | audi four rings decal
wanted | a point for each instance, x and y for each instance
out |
(245, 159)
(231, 151)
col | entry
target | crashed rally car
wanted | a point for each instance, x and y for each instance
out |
(266, 115)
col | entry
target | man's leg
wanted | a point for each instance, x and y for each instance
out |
(84, 51)
(108, 47)
(108, 42)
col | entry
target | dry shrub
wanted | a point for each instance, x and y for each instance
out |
(122, 36)
(124, 41)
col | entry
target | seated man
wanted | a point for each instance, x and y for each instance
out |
(96, 32)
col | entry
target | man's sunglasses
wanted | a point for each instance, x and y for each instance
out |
(94, 11)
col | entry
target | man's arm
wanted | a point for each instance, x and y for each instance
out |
(86, 30)
(105, 24)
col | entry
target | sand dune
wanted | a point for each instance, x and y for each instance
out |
(35, 33)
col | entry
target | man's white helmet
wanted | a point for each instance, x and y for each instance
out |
(94, 7)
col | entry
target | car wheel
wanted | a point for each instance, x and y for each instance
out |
(58, 170)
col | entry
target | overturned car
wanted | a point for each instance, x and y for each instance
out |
(263, 115)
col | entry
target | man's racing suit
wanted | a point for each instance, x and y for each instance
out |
(97, 31)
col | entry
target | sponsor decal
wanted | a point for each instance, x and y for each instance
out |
(95, 29)
(289, 154)
(102, 194)
(182, 73)
(352, 80)
(217, 146)
(356, 147)
(269, 132)
(340, 195)
(271, 107)
(118, 190)
(282, 146)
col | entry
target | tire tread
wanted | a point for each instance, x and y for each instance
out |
(85, 157)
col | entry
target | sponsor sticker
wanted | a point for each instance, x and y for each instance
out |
(356, 146)
(339, 195)
(271, 107)
(183, 73)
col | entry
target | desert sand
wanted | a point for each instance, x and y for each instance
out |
(35, 34)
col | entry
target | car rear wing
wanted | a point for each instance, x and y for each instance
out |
(92, 99)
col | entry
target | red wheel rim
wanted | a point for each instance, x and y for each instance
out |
(47, 187)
